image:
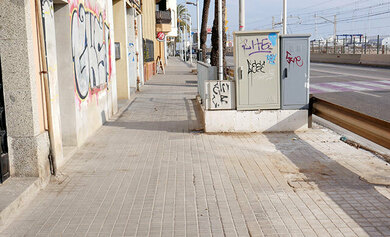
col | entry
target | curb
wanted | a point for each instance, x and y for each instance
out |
(16, 206)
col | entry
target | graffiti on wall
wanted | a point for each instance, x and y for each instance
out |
(47, 8)
(91, 49)
(131, 52)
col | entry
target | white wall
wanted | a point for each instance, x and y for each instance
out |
(171, 4)
(91, 45)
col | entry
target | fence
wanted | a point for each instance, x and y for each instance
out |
(361, 45)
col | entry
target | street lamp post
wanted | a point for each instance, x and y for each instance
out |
(181, 37)
(184, 43)
(198, 23)
(190, 37)
(285, 17)
(197, 20)
(241, 12)
(220, 41)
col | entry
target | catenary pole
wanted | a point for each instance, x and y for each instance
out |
(220, 41)
(335, 27)
(284, 17)
(242, 15)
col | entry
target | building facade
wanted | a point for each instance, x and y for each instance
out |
(157, 18)
(65, 64)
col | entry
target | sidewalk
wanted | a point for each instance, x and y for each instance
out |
(150, 173)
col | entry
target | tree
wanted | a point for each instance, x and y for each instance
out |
(215, 37)
(182, 18)
(203, 32)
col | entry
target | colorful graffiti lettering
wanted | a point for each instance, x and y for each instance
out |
(271, 58)
(47, 8)
(90, 48)
(273, 38)
(262, 45)
(131, 52)
(297, 60)
(257, 46)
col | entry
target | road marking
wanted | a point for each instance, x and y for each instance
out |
(378, 85)
(348, 74)
(328, 87)
(354, 67)
(348, 86)
(365, 93)
(320, 88)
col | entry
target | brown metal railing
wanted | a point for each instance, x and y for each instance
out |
(373, 129)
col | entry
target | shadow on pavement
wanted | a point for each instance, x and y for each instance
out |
(315, 170)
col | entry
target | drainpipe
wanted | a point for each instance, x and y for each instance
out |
(44, 77)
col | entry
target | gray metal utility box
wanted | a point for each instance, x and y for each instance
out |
(257, 68)
(295, 66)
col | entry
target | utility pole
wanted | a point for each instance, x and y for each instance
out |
(284, 17)
(220, 41)
(190, 41)
(335, 27)
(198, 23)
(241, 12)
(181, 37)
(315, 23)
(334, 22)
(273, 22)
(197, 19)
(185, 42)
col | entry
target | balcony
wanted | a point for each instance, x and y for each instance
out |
(163, 21)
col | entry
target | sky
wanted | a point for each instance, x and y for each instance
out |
(353, 17)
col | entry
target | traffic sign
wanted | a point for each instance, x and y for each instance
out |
(160, 36)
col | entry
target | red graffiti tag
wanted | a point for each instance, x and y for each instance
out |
(297, 60)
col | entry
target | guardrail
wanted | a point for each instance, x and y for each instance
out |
(366, 126)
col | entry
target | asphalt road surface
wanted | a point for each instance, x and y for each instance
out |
(363, 89)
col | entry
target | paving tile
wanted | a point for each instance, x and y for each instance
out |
(147, 174)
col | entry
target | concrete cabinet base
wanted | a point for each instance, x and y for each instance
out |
(256, 121)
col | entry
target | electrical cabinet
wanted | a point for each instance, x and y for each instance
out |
(295, 66)
(257, 69)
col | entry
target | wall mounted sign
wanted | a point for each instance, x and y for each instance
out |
(160, 36)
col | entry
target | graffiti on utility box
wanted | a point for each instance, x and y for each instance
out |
(90, 41)
(220, 94)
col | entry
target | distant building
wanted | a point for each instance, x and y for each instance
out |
(386, 41)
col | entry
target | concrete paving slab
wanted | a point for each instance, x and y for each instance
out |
(151, 173)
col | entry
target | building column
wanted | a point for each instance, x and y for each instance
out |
(28, 142)
(120, 34)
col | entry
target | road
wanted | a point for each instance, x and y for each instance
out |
(364, 89)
